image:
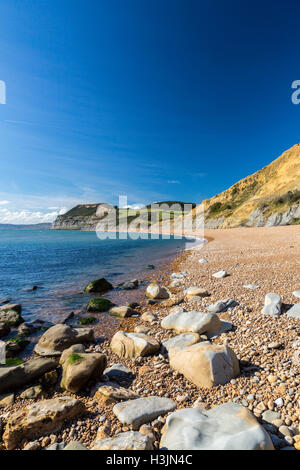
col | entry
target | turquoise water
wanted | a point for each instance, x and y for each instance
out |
(61, 263)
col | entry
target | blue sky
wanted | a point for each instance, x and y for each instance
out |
(153, 99)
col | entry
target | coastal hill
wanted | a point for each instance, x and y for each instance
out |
(89, 216)
(271, 196)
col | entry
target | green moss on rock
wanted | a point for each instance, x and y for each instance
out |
(87, 320)
(99, 305)
(98, 286)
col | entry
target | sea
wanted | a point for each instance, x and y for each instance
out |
(62, 263)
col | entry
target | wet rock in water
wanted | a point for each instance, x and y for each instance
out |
(150, 266)
(122, 311)
(220, 274)
(12, 378)
(226, 427)
(203, 261)
(205, 364)
(30, 289)
(193, 322)
(251, 286)
(32, 393)
(129, 285)
(6, 400)
(15, 345)
(10, 314)
(296, 293)
(40, 418)
(39, 324)
(272, 305)
(111, 393)
(75, 445)
(26, 329)
(60, 337)
(129, 345)
(181, 341)
(195, 291)
(130, 440)
(98, 286)
(99, 304)
(118, 372)
(222, 305)
(79, 368)
(4, 329)
(155, 292)
(142, 410)
(4, 300)
(294, 312)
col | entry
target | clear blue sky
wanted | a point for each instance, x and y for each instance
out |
(153, 99)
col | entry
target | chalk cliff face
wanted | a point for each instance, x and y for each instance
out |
(269, 197)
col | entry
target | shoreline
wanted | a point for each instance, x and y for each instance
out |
(268, 257)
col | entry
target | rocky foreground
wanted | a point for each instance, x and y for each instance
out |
(211, 362)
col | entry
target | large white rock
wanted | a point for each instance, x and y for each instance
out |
(130, 440)
(156, 292)
(193, 322)
(181, 341)
(294, 312)
(273, 304)
(137, 412)
(61, 337)
(129, 345)
(225, 427)
(205, 364)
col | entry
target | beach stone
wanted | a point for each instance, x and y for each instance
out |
(156, 292)
(79, 368)
(60, 337)
(220, 274)
(75, 349)
(98, 286)
(205, 364)
(270, 416)
(272, 305)
(294, 312)
(10, 314)
(111, 393)
(6, 400)
(251, 286)
(225, 427)
(192, 322)
(129, 345)
(142, 410)
(142, 329)
(26, 329)
(32, 393)
(175, 284)
(178, 275)
(221, 305)
(203, 261)
(130, 440)
(296, 358)
(195, 291)
(4, 329)
(122, 311)
(33, 445)
(75, 445)
(118, 371)
(181, 341)
(129, 285)
(98, 305)
(296, 293)
(40, 418)
(149, 317)
(12, 378)
(174, 299)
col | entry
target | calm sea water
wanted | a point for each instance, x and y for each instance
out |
(61, 263)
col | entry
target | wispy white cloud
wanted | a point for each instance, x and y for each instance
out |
(173, 182)
(3, 203)
(28, 217)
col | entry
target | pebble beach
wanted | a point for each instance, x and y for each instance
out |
(254, 262)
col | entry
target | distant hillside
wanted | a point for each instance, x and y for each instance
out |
(271, 196)
(88, 216)
(25, 227)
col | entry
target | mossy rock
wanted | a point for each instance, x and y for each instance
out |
(13, 361)
(74, 358)
(10, 318)
(15, 346)
(99, 305)
(98, 286)
(87, 320)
